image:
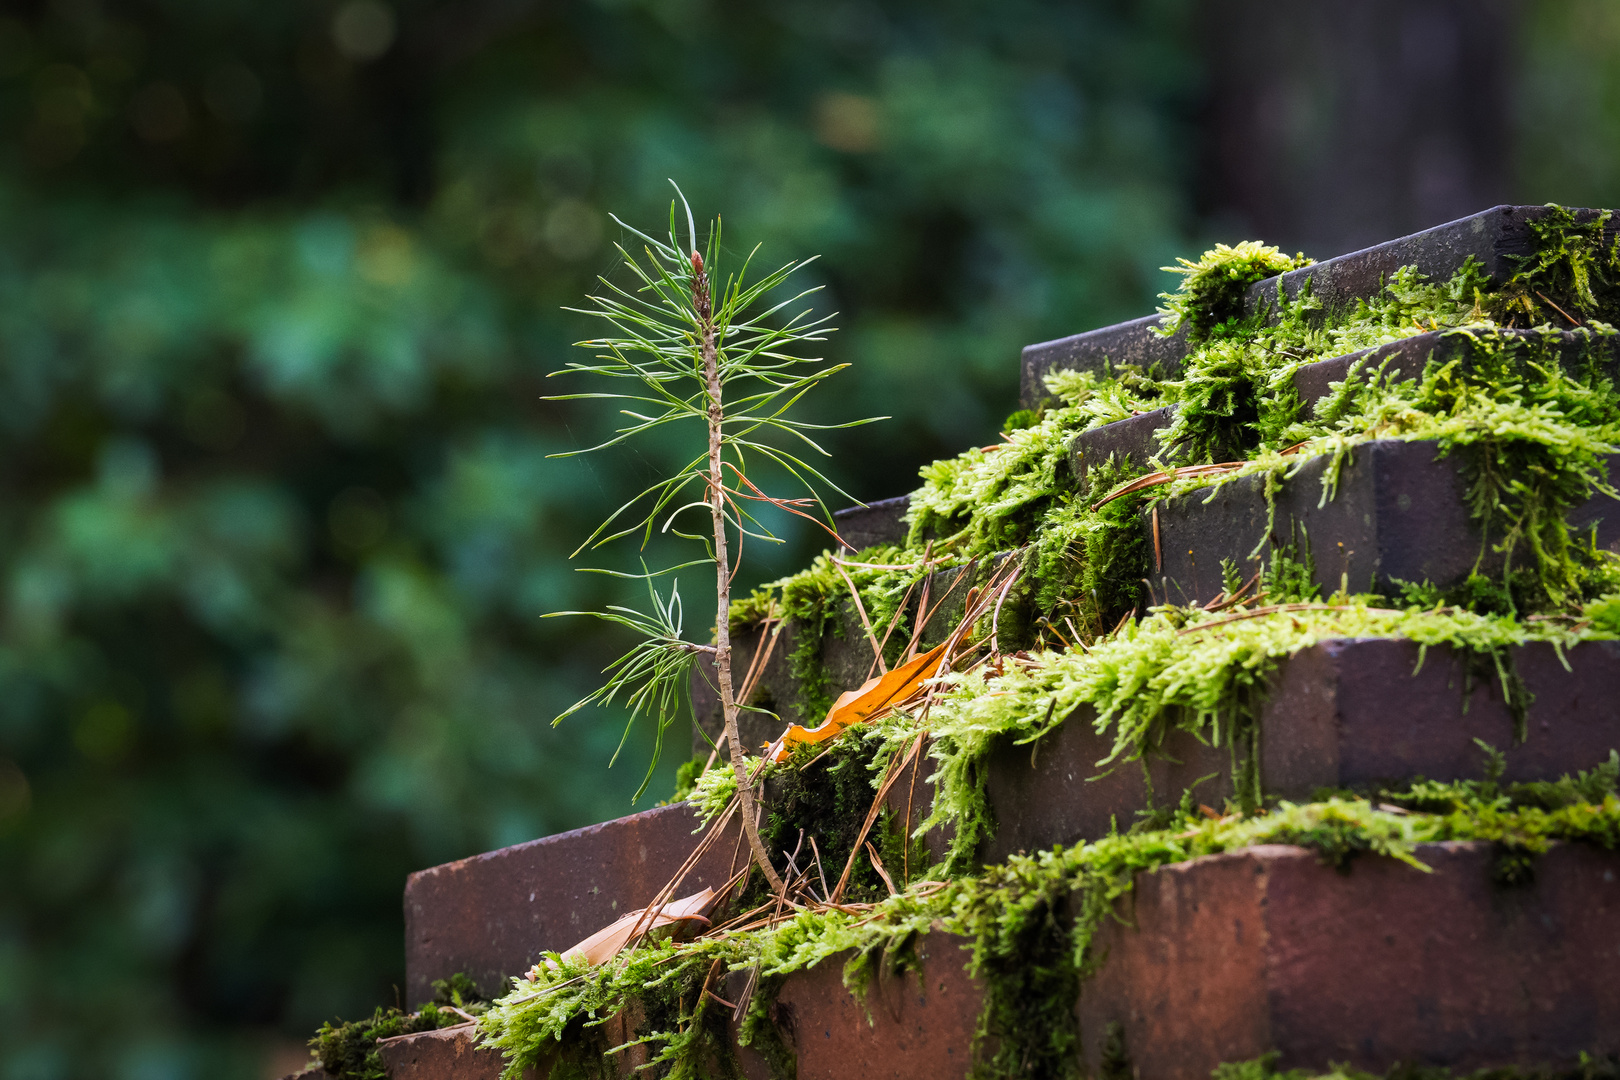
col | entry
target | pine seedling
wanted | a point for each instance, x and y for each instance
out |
(716, 359)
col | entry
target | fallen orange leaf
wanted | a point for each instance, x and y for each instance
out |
(607, 942)
(854, 706)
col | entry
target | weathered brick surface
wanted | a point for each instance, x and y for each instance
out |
(1136, 437)
(1345, 713)
(1399, 512)
(1492, 236)
(447, 1054)
(1135, 342)
(491, 915)
(1228, 957)
(880, 522)
(918, 1026)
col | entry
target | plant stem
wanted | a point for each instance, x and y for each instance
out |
(722, 567)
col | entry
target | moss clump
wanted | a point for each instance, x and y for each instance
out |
(1174, 670)
(1236, 391)
(1210, 299)
(1604, 1066)
(1573, 269)
(824, 792)
(348, 1049)
(1532, 420)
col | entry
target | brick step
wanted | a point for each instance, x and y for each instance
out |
(490, 916)
(1344, 713)
(1235, 955)
(1348, 713)
(1136, 438)
(1399, 513)
(1228, 957)
(1493, 237)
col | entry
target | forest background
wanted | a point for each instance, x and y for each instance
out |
(279, 284)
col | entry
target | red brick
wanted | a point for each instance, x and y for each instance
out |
(1226, 958)
(490, 916)
(913, 1027)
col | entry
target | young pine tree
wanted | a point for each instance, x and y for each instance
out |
(717, 359)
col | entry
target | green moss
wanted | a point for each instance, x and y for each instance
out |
(1019, 419)
(687, 776)
(1573, 269)
(1210, 298)
(1532, 428)
(1236, 393)
(1605, 1066)
(1032, 921)
(1531, 424)
(348, 1049)
(824, 792)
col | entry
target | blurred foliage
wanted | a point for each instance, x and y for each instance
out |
(1569, 103)
(278, 286)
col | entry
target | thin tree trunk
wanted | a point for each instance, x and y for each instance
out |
(722, 566)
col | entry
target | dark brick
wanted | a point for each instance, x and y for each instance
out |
(1404, 359)
(446, 1054)
(880, 522)
(1133, 439)
(1352, 713)
(1399, 513)
(917, 1026)
(491, 916)
(914, 1026)
(1356, 713)
(1134, 342)
(1494, 237)
(1229, 957)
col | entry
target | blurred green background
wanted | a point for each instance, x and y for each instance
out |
(279, 284)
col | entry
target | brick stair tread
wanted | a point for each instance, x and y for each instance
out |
(1230, 956)
(1399, 513)
(1491, 236)
(1343, 713)
(491, 915)
(1403, 359)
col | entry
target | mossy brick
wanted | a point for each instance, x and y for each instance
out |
(1399, 513)
(845, 657)
(1345, 713)
(446, 1054)
(1137, 342)
(1406, 358)
(1493, 237)
(491, 915)
(1229, 957)
(912, 1026)
(455, 1053)
(1136, 438)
